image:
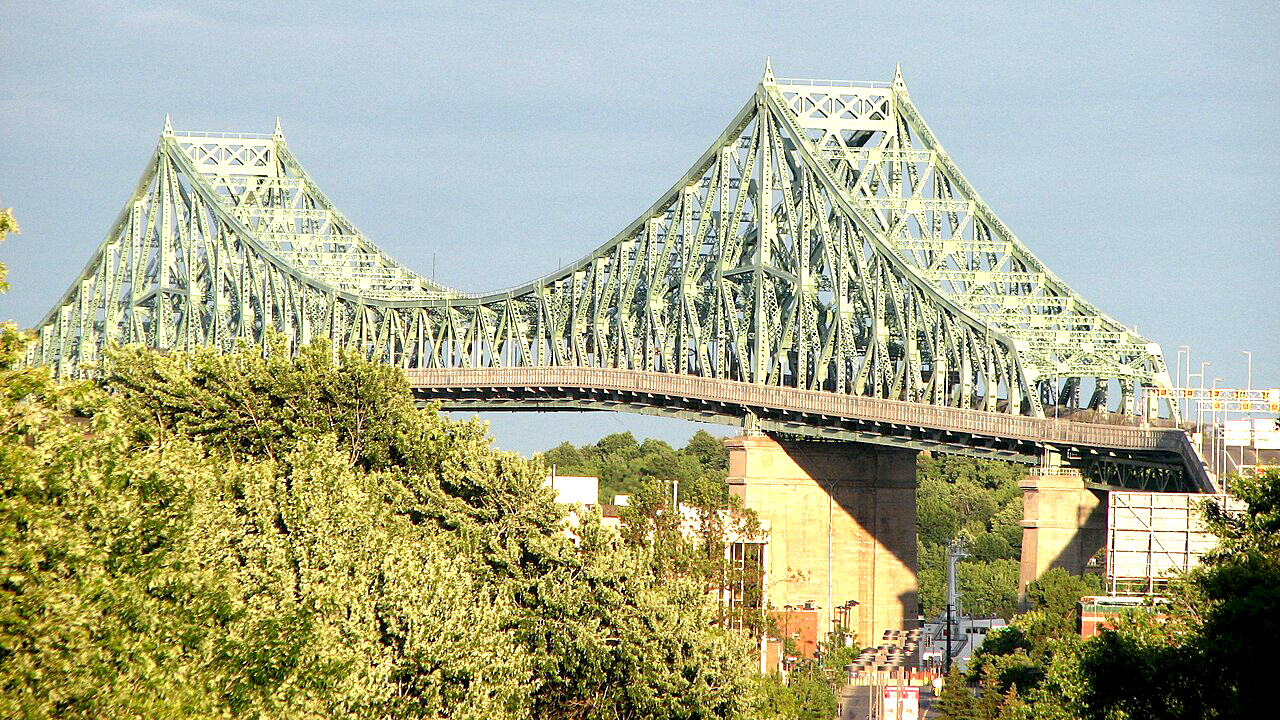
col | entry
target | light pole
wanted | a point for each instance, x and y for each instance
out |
(955, 550)
(1249, 398)
(1204, 366)
(1249, 356)
(1219, 463)
(1178, 379)
(1249, 386)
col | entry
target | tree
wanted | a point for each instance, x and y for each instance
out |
(1058, 592)
(989, 588)
(1197, 661)
(815, 699)
(980, 500)
(1197, 655)
(165, 578)
(625, 466)
(955, 702)
(254, 534)
(7, 225)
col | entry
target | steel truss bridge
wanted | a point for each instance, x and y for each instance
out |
(823, 269)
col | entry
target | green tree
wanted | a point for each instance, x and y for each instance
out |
(257, 535)
(1058, 592)
(980, 500)
(1197, 655)
(956, 702)
(815, 698)
(7, 225)
(1201, 660)
(774, 699)
(989, 588)
(709, 451)
(161, 580)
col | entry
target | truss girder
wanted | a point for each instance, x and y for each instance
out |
(911, 190)
(802, 250)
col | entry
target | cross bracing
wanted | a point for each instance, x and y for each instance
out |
(895, 168)
(824, 242)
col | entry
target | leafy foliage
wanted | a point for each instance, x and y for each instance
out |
(1194, 656)
(7, 225)
(980, 500)
(248, 535)
(628, 467)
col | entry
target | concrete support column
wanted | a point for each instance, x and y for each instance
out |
(842, 520)
(1064, 524)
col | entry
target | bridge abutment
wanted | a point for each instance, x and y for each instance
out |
(1064, 524)
(842, 527)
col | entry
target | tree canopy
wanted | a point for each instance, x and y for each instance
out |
(249, 535)
(980, 500)
(1194, 655)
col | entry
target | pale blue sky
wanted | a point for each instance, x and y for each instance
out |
(1130, 146)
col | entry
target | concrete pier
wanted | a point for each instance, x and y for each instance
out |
(1064, 524)
(843, 527)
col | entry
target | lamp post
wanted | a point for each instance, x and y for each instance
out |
(1249, 355)
(786, 634)
(1200, 403)
(1219, 448)
(1248, 398)
(1177, 380)
(846, 620)
(955, 551)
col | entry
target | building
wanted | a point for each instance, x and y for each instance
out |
(967, 635)
(1096, 611)
(746, 554)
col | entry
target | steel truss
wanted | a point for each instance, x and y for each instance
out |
(825, 241)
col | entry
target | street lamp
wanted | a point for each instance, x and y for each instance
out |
(1177, 378)
(1248, 398)
(1199, 402)
(1219, 448)
(955, 550)
(846, 619)
(1249, 355)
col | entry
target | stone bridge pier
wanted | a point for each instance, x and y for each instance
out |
(843, 527)
(1064, 524)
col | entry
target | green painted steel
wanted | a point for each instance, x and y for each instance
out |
(825, 241)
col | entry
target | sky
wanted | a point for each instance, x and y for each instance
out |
(1126, 144)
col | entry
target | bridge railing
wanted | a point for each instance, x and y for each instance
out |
(805, 402)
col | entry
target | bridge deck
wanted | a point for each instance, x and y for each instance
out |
(808, 412)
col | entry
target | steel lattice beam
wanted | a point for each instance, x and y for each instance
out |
(825, 241)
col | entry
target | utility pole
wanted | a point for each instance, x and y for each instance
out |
(1248, 416)
(955, 550)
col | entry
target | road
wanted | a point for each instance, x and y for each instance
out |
(854, 700)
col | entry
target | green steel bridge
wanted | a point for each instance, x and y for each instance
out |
(823, 269)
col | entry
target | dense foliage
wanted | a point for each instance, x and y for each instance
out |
(1196, 656)
(979, 500)
(628, 467)
(250, 536)
(957, 496)
(210, 535)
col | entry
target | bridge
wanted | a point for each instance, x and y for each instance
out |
(822, 271)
